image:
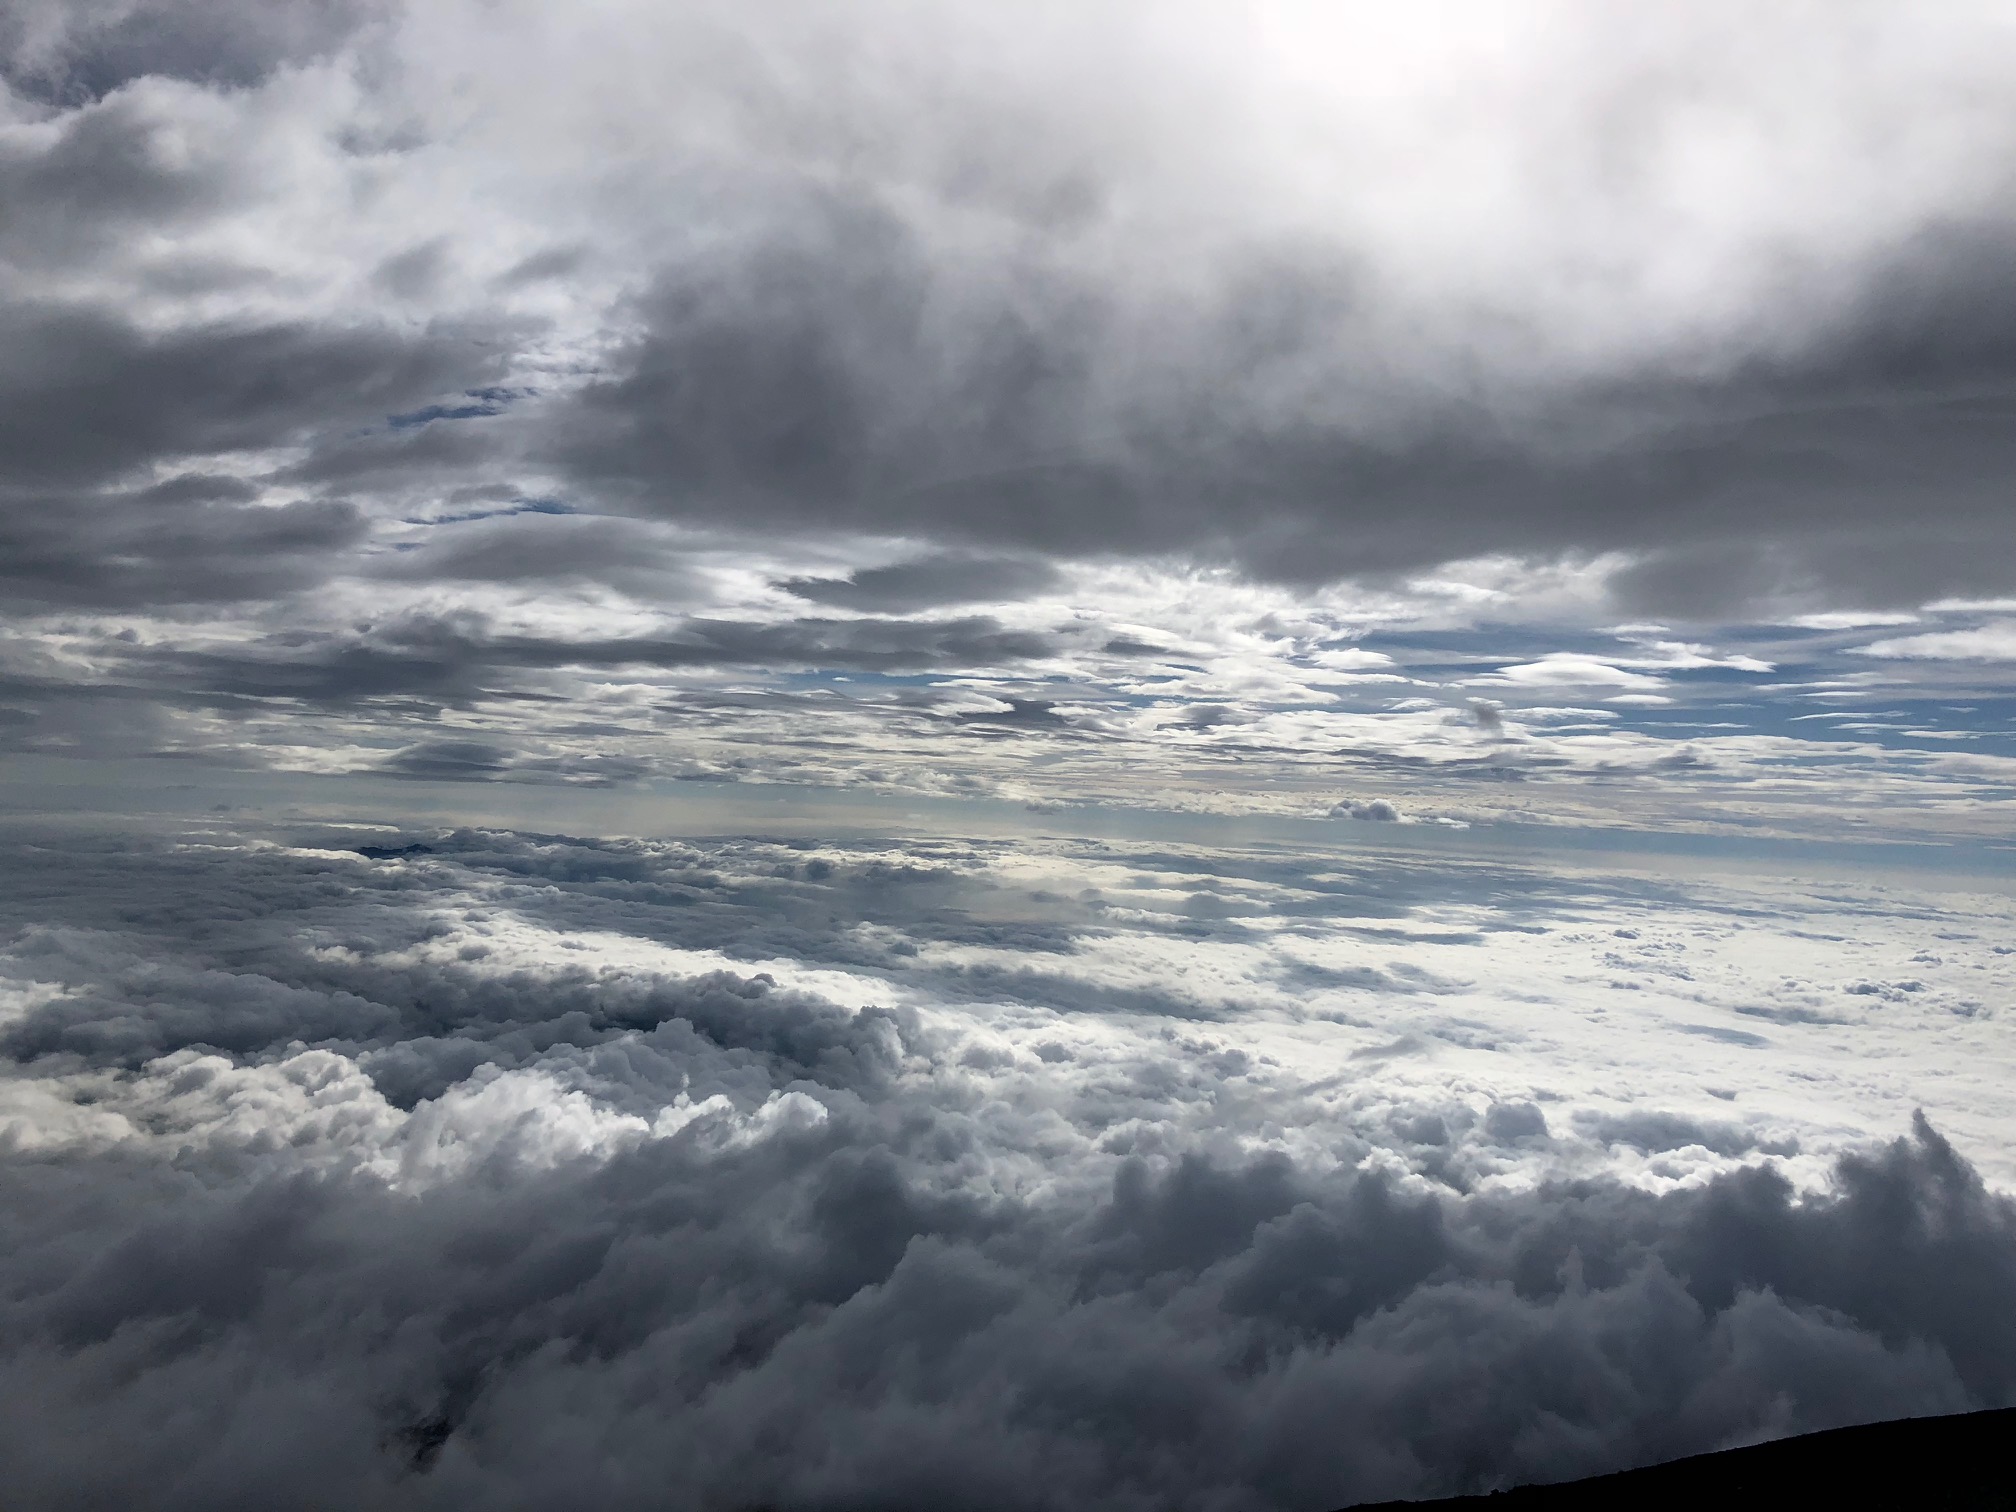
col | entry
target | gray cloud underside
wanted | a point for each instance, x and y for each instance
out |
(91, 398)
(423, 665)
(847, 1312)
(69, 51)
(89, 405)
(1883, 486)
(821, 383)
(929, 582)
(833, 359)
(445, 662)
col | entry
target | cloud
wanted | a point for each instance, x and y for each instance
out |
(1850, 619)
(70, 52)
(1155, 417)
(929, 582)
(1350, 659)
(530, 545)
(91, 399)
(891, 347)
(1139, 281)
(853, 385)
(194, 539)
(915, 1319)
(1160, 415)
(1994, 641)
(1374, 808)
(777, 1173)
(488, 761)
(462, 660)
(1568, 670)
(716, 371)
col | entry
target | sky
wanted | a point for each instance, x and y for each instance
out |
(872, 753)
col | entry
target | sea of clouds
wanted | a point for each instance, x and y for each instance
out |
(485, 1168)
(1447, 454)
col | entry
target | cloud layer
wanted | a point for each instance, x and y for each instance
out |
(1327, 293)
(446, 393)
(1358, 459)
(507, 1170)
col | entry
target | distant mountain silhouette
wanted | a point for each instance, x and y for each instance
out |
(1934, 1464)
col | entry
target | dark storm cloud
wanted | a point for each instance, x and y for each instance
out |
(55, 714)
(830, 1313)
(874, 646)
(409, 455)
(823, 378)
(835, 377)
(99, 394)
(975, 355)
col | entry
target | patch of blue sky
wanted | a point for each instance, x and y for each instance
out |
(482, 404)
(505, 511)
(1988, 726)
(1683, 677)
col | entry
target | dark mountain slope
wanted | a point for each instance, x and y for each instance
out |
(1967, 1461)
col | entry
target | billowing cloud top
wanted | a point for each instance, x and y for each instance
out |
(345, 1168)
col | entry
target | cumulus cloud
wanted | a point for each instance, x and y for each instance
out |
(926, 1350)
(1368, 808)
(434, 1173)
